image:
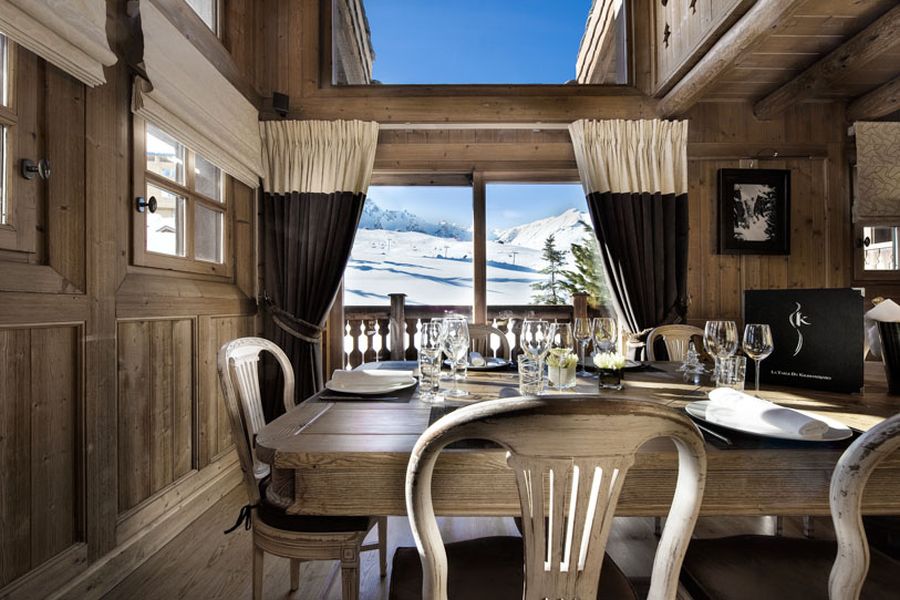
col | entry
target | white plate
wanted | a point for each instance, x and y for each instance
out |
(836, 429)
(369, 390)
(489, 364)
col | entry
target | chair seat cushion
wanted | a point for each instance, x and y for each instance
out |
(752, 567)
(277, 517)
(490, 568)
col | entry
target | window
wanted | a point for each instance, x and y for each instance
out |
(187, 230)
(7, 121)
(208, 11)
(880, 248)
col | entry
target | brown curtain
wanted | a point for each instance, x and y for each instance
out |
(313, 196)
(635, 178)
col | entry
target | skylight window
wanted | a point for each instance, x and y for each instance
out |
(403, 42)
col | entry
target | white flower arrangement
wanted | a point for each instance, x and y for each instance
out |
(609, 360)
(561, 358)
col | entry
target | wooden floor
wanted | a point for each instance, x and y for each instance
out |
(201, 562)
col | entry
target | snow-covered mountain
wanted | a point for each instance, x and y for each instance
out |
(566, 226)
(375, 217)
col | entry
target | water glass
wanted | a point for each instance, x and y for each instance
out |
(430, 375)
(582, 333)
(531, 376)
(720, 338)
(606, 334)
(455, 336)
(732, 372)
(758, 344)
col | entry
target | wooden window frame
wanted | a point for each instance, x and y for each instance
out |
(187, 263)
(17, 234)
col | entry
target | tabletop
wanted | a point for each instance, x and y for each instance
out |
(349, 457)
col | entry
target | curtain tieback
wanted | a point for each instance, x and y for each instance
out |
(303, 330)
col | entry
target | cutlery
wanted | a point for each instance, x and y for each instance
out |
(715, 434)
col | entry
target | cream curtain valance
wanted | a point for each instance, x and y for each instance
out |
(318, 156)
(71, 34)
(627, 157)
(877, 171)
(188, 97)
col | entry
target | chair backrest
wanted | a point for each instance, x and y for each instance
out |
(847, 484)
(570, 455)
(676, 337)
(238, 366)
(480, 336)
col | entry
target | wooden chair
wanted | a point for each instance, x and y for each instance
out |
(742, 567)
(676, 337)
(574, 450)
(480, 336)
(299, 538)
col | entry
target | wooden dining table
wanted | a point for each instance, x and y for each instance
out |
(349, 457)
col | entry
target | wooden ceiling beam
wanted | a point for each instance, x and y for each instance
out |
(762, 18)
(879, 37)
(878, 103)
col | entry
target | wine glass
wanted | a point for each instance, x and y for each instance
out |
(535, 340)
(430, 351)
(560, 355)
(758, 344)
(456, 346)
(582, 334)
(606, 332)
(720, 338)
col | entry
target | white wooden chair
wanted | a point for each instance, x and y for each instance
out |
(743, 567)
(676, 338)
(480, 336)
(299, 538)
(570, 455)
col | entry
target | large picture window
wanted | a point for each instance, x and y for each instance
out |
(13, 233)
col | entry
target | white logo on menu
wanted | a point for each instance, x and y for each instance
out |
(797, 320)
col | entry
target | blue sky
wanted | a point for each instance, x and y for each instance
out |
(507, 204)
(476, 41)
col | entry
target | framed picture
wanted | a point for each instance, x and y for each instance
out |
(754, 211)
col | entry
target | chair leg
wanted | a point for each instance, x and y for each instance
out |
(258, 556)
(350, 575)
(382, 544)
(809, 526)
(295, 574)
(779, 526)
(657, 526)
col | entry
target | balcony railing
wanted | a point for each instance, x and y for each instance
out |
(377, 333)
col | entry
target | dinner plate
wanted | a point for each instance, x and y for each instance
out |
(836, 429)
(489, 364)
(369, 390)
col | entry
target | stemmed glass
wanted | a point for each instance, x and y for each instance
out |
(582, 333)
(456, 346)
(758, 344)
(562, 343)
(535, 341)
(430, 352)
(720, 338)
(606, 332)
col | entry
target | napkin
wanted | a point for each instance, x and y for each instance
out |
(738, 410)
(476, 360)
(886, 311)
(371, 378)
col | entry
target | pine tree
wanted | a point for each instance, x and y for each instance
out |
(588, 275)
(550, 291)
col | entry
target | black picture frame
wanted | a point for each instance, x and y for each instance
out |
(766, 193)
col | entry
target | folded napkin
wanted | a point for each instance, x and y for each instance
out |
(374, 378)
(738, 410)
(886, 311)
(476, 360)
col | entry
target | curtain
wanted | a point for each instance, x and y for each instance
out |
(70, 34)
(189, 99)
(634, 174)
(315, 177)
(877, 196)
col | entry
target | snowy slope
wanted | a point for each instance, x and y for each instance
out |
(375, 217)
(566, 227)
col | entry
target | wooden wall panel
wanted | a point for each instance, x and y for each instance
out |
(40, 385)
(155, 406)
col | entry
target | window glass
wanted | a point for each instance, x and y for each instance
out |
(165, 155)
(541, 247)
(207, 10)
(4, 71)
(415, 240)
(880, 248)
(208, 239)
(4, 209)
(207, 178)
(165, 227)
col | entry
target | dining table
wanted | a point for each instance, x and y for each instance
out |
(344, 455)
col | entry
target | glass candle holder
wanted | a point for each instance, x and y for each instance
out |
(610, 379)
(562, 378)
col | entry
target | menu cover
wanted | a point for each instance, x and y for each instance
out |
(818, 337)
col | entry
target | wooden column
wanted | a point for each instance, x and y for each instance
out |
(878, 103)
(334, 335)
(398, 326)
(479, 270)
(580, 305)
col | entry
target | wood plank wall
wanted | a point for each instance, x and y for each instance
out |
(111, 418)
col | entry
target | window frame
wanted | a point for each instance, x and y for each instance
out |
(15, 233)
(143, 257)
(218, 6)
(859, 256)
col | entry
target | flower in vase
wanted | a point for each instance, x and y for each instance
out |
(561, 358)
(612, 361)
